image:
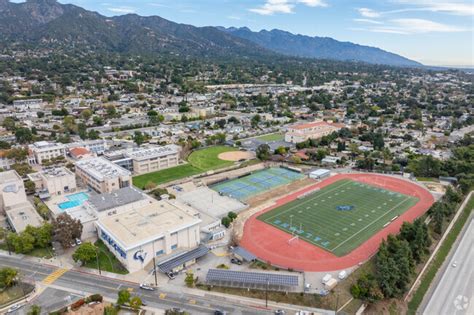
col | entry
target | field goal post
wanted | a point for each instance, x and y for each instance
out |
(294, 239)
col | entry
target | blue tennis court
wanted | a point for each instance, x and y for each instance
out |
(256, 183)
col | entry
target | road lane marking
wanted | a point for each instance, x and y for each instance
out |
(55, 275)
(162, 296)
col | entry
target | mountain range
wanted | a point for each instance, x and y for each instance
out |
(50, 24)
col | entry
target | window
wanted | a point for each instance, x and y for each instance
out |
(174, 246)
(160, 252)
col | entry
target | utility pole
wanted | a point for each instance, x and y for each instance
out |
(98, 261)
(154, 264)
(266, 294)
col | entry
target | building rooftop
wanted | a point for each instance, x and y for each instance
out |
(9, 176)
(148, 223)
(22, 215)
(45, 144)
(100, 168)
(315, 124)
(153, 152)
(56, 172)
(114, 199)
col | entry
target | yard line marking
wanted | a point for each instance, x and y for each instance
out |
(304, 202)
(397, 205)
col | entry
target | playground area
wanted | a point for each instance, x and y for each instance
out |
(301, 232)
(255, 183)
(340, 216)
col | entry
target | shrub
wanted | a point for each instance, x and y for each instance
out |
(77, 304)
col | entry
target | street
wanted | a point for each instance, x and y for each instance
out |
(73, 284)
(454, 293)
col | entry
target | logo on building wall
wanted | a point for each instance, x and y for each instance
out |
(140, 255)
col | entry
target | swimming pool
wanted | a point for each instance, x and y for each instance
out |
(74, 200)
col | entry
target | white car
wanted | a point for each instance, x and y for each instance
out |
(146, 286)
(14, 308)
(454, 264)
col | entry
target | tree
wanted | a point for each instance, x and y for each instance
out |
(23, 135)
(226, 221)
(255, 120)
(232, 215)
(17, 154)
(9, 124)
(111, 111)
(34, 310)
(22, 243)
(110, 310)
(86, 114)
(367, 289)
(8, 277)
(22, 169)
(263, 152)
(66, 229)
(69, 124)
(135, 303)
(138, 138)
(41, 234)
(30, 187)
(123, 297)
(280, 150)
(85, 253)
(189, 280)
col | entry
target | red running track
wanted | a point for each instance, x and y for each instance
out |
(270, 244)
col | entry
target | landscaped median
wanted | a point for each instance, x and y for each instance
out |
(199, 161)
(440, 257)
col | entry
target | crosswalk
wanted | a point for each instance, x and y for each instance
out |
(55, 275)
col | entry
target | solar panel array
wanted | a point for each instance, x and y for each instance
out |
(256, 278)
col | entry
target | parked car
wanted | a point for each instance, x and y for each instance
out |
(171, 275)
(78, 241)
(279, 312)
(236, 261)
(146, 286)
(219, 312)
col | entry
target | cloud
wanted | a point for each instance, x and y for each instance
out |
(465, 8)
(313, 3)
(122, 10)
(366, 12)
(425, 26)
(412, 26)
(271, 7)
(368, 21)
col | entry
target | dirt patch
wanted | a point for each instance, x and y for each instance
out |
(235, 156)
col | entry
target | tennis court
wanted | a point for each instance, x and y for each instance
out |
(339, 217)
(256, 183)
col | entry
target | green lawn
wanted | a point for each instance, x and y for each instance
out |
(341, 216)
(271, 137)
(36, 252)
(207, 159)
(198, 162)
(166, 175)
(108, 262)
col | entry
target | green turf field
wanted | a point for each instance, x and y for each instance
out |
(207, 159)
(340, 216)
(272, 137)
(199, 161)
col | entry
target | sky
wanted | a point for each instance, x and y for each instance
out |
(433, 32)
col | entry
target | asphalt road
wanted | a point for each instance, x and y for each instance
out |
(454, 293)
(75, 283)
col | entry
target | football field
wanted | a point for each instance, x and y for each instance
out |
(339, 217)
